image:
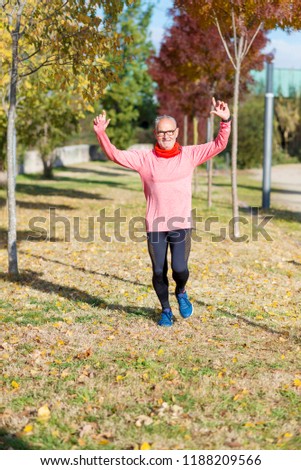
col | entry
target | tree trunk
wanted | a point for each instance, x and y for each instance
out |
(11, 165)
(46, 159)
(235, 212)
(185, 132)
(48, 170)
(195, 142)
(210, 162)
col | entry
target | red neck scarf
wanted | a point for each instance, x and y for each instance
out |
(168, 153)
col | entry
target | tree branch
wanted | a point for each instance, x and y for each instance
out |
(46, 63)
(29, 56)
(224, 42)
(252, 40)
(234, 33)
(30, 21)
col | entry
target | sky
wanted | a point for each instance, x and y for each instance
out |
(286, 47)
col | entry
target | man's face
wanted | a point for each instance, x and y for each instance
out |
(166, 140)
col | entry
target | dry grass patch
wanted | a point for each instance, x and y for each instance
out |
(85, 365)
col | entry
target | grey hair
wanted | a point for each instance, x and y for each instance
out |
(164, 116)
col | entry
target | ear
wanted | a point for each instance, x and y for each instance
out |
(177, 132)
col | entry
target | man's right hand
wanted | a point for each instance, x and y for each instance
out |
(101, 122)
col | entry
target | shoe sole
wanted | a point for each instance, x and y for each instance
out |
(186, 318)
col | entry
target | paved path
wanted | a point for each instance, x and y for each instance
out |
(286, 186)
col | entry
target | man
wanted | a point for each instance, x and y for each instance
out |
(166, 173)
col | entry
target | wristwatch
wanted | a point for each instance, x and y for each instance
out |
(227, 120)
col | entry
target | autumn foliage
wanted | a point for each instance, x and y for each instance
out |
(191, 67)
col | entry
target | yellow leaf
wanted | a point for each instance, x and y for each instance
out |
(145, 446)
(15, 384)
(249, 425)
(234, 359)
(160, 352)
(44, 413)
(297, 383)
(28, 428)
(120, 377)
(103, 442)
(222, 372)
(287, 434)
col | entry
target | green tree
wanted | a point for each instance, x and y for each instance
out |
(250, 132)
(287, 113)
(46, 118)
(68, 38)
(129, 101)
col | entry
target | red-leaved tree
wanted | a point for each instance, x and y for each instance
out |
(240, 24)
(191, 68)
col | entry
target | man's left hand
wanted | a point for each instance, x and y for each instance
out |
(220, 108)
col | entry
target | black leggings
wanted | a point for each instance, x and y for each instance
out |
(179, 242)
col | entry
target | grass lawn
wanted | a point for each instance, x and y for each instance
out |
(85, 365)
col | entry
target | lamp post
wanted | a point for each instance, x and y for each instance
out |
(268, 138)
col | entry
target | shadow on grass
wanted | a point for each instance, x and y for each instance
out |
(69, 179)
(11, 441)
(41, 190)
(33, 279)
(42, 205)
(89, 271)
(277, 214)
(258, 188)
(283, 214)
(295, 263)
(249, 322)
(25, 235)
(121, 171)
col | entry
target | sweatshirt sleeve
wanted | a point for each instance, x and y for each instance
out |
(202, 153)
(127, 158)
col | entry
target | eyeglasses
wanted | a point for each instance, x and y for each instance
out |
(163, 133)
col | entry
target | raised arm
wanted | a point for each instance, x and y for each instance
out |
(127, 158)
(202, 153)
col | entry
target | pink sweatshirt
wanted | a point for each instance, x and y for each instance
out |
(167, 181)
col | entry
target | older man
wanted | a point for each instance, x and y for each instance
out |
(166, 173)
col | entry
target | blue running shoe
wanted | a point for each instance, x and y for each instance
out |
(185, 306)
(166, 318)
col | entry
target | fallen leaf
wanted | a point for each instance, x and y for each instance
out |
(297, 383)
(88, 428)
(84, 354)
(145, 446)
(44, 413)
(143, 420)
(120, 377)
(103, 442)
(27, 429)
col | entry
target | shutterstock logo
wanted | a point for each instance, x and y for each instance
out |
(110, 227)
